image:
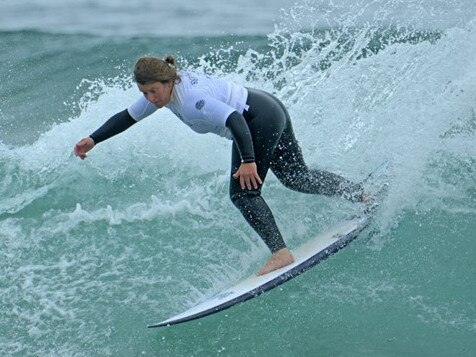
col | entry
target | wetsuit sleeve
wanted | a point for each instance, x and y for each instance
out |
(115, 125)
(238, 127)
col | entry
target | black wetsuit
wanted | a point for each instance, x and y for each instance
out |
(262, 134)
(276, 147)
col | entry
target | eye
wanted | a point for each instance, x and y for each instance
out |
(146, 93)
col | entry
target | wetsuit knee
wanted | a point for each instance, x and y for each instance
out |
(257, 213)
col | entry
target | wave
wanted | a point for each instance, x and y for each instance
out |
(349, 89)
(100, 245)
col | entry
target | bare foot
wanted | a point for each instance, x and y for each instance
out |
(279, 259)
(369, 201)
(367, 197)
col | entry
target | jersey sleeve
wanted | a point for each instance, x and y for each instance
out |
(203, 107)
(141, 109)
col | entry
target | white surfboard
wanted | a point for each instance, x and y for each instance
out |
(306, 256)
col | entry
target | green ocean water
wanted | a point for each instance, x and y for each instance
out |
(94, 251)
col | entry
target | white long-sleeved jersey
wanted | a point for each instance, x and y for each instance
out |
(200, 101)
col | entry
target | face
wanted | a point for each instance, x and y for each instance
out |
(157, 93)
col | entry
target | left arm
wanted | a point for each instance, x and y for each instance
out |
(240, 131)
(247, 173)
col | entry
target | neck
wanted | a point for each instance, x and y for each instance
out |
(172, 91)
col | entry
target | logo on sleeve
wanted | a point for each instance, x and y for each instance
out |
(199, 105)
(193, 80)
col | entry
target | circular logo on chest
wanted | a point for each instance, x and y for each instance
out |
(199, 105)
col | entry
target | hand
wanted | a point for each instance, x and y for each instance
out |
(83, 146)
(248, 175)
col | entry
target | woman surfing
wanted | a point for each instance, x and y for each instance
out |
(262, 139)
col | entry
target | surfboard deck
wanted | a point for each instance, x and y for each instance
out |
(306, 256)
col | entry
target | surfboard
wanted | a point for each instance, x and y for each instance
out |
(306, 256)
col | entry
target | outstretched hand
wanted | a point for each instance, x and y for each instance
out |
(248, 175)
(83, 146)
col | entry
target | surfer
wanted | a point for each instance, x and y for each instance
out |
(258, 125)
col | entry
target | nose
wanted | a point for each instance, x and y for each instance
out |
(151, 97)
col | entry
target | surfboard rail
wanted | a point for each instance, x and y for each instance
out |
(306, 256)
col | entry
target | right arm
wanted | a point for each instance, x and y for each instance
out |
(115, 125)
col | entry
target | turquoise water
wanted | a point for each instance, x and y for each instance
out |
(93, 251)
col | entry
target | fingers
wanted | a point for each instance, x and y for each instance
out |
(77, 151)
(248, 180)
(81, 148)
(258, 180)
(254, 181)
(242, 182)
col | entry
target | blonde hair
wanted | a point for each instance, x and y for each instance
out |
(150, 69)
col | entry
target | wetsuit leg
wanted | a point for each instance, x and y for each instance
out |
(255, 210)
(289, 167)
(266, 122)
(276, 147)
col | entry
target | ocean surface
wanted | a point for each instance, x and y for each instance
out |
(93, 251)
